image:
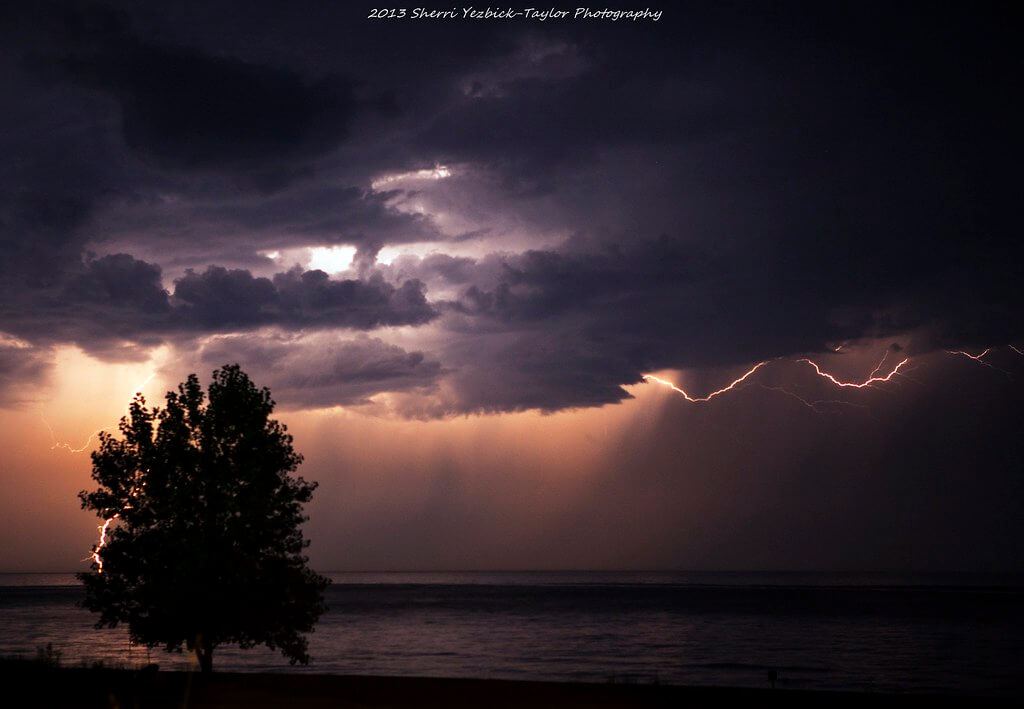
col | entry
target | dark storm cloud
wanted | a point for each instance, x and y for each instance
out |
(540, 284)
(566, 328)
(324, 370)
(820, 174)
(96, 91)
(440, 267)
(190, 110)
(325, 214)
(238, 229)
(74, 182)
(541, 369)
(119, 280)
(60, 166)
(543, 124)
(219, 298)
(112, 306)
(113, 301)
(22, 369)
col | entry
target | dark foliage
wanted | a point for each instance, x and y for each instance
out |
(206, 548)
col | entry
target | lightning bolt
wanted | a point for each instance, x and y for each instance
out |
(95, 555)
(712, 395)
(872, 378)
(67, 446)
(976, 358)
(979, 358)
(61, 445)
(875, 377)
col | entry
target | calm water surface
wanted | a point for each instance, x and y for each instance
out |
(817, 631)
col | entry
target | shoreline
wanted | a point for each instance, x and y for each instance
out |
(53, 686)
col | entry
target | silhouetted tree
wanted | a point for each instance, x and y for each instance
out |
(205, 546)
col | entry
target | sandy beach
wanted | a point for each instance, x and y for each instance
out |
(41, 685)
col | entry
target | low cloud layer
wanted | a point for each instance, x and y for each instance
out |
(324, 370)
(118, 297)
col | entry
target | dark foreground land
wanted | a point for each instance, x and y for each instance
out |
(28, 684)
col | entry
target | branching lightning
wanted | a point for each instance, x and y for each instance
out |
(877, 369)
(874, 378)
(979, 358)
(61, 445)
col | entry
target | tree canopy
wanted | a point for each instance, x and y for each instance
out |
(202, 544)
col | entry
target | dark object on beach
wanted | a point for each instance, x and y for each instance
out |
(772, 677)
(202, 543)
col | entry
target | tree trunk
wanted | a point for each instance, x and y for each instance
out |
(204, 654)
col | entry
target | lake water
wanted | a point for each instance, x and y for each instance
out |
(816, 631)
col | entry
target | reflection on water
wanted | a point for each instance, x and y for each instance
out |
(814, 630)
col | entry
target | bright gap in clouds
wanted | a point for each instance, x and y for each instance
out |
(331, 259)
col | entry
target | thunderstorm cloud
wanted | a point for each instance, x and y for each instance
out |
(547, 213)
